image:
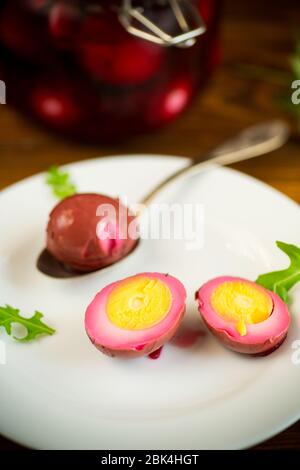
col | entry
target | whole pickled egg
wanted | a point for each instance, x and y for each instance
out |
(86, 238)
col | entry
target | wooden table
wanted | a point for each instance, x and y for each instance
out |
(253, 32)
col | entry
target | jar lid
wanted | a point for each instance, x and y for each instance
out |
(137, 20)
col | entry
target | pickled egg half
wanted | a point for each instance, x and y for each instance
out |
(244, 316)
(137, 315)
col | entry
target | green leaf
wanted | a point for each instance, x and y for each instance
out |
(282, 281)
(60, 183)
(33, 325)
(295, 63)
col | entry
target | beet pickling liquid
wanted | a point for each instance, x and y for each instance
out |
(84, 69)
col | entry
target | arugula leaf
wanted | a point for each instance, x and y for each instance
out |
(60, 183)
(34, 325)
(282, 281)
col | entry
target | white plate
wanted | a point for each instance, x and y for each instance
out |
(60, 392)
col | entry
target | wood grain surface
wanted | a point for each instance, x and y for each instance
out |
(254, 32)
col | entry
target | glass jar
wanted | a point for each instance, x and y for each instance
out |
(103, 70)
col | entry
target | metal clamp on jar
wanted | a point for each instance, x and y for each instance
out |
(138, 22)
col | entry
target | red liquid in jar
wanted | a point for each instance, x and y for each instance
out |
(71, 66)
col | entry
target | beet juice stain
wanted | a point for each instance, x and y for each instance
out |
(155, 354)
(183, 340)
(186, 338)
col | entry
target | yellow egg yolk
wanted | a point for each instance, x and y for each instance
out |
(242, 303)
(139, 303)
